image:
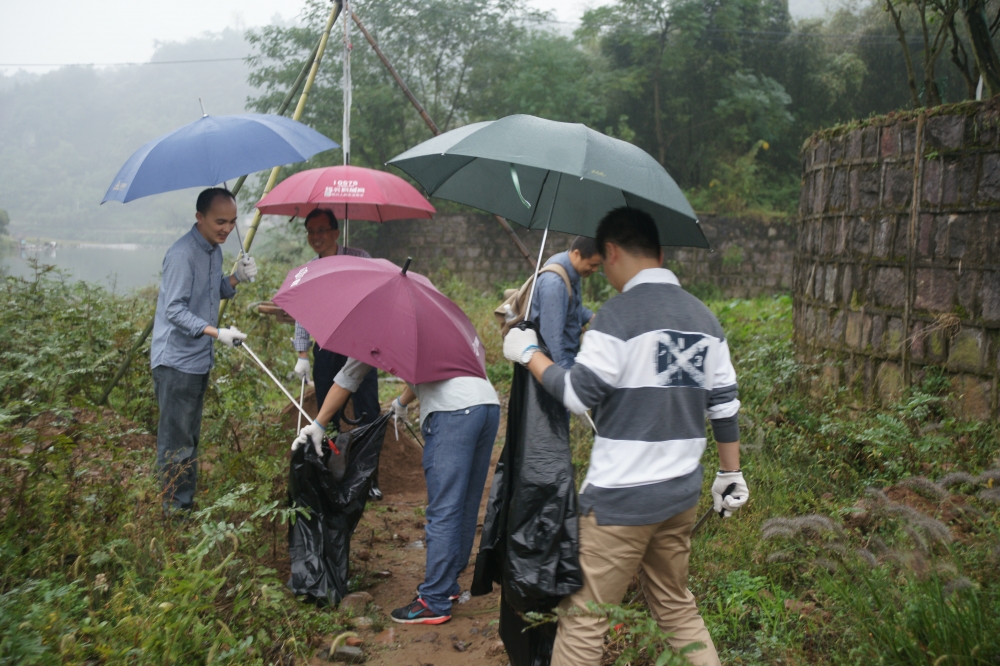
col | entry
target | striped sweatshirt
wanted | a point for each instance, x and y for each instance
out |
(653, 365)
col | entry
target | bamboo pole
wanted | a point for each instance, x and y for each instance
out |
(434, 128)
(300, 107)
(282, 108)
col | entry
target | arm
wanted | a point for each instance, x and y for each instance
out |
(177, 284)
(551, 319)
(345, 383)
(231, 282)
(301, 341)
(594, 377)
(407, 396)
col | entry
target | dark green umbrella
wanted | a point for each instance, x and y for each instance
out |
(517, 166)
(544, 174)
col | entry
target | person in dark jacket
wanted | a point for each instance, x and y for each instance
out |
(653, 365)
(323, 233)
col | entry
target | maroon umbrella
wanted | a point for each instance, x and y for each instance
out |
(371, 310)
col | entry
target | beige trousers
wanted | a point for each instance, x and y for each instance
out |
(609, 557)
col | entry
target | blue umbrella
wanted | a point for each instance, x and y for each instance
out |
(212, 150)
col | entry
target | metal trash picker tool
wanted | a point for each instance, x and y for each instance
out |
(701, 521)
(243, 345)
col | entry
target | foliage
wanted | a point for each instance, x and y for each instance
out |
(93, 571)
(65, 134)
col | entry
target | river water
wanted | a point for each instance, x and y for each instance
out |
(121, 268)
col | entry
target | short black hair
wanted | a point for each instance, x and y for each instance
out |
(316, 212)
(630, 229)
(587, 247)
(207, 197)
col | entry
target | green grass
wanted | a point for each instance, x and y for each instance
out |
(93, 572)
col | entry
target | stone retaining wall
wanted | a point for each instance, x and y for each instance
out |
(887, 284)
(749, 257)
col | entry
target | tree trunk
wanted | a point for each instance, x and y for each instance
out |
(901, 34)
(660, 145)
(987, 61)
(961, 60)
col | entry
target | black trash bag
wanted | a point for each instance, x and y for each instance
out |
(319, 546)
(529, 543)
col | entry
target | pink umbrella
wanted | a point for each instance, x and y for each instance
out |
(351, 192)
(371, 310)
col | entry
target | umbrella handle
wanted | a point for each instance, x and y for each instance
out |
(545, 235)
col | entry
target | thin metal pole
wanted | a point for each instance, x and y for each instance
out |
(302, 398)
(545, 235)
(273, 179)
(522, 248)
(243, 345)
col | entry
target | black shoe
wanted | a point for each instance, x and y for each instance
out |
(375, 495)
(417, 612)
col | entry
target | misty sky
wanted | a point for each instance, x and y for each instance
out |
(116, 31)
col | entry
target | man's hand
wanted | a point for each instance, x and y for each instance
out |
(302, 368)
(519, 346)
(246, 269)
(314, 433)
(736, 498)
(229, 336)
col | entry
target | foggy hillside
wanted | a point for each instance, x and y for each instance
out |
(64, 135)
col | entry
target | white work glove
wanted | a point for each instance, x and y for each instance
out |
(519, 346)
(246, 269)
(229, 336)
(736, 498)
(302, 368)
(399, 411)
(314, 433)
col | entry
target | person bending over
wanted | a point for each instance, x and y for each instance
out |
(459, 418)
(654, 363)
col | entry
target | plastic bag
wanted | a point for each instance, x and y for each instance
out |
(319, 546)
(529, 543)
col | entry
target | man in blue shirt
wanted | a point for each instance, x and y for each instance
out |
(181, 353)
(560, 314)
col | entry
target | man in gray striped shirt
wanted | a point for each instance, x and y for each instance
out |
(653, 365)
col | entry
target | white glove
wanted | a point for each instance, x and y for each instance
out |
(246, 269)
(229, 336)
(399, 411)
(519, 346)
(302, 368)
(314, 433)
(736, 497)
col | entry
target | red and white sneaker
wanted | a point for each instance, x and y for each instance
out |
(417, 612)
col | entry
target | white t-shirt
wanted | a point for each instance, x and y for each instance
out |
(446, 395)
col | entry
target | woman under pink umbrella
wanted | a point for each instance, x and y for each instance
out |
(399, 322)
(459, 418)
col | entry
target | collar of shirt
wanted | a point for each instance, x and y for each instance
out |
(562, 258)
(200, 240)
(652, 276)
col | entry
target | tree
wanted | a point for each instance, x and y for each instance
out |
(4, 222)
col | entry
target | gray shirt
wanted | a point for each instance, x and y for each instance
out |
(188, 302)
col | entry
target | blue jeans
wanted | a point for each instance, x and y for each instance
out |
(457, 449)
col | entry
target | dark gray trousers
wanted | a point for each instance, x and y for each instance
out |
(181, 397)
